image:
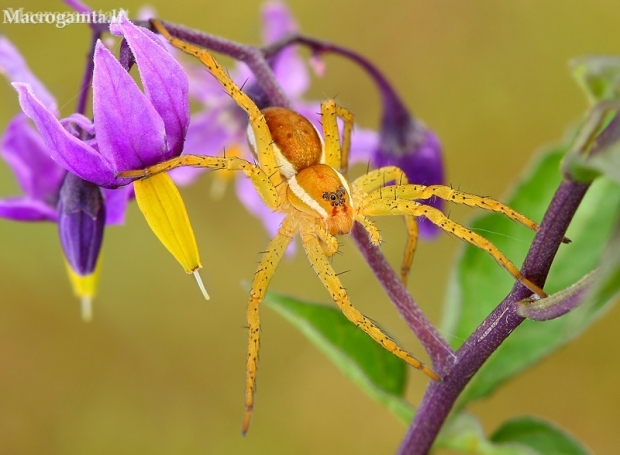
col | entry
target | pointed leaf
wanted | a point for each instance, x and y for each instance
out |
(539, 435)
(463, 433)
(598, 76)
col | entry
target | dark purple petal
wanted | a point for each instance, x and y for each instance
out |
(130, 133)
(15, 69)
(26, 209)
(116, 203)
(165, 83)
(78, 124)
(24, 150)
(422, 164)
(67, 150)
(81, 221)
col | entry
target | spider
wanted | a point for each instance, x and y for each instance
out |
(301, 174)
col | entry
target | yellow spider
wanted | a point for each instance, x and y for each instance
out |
(302, 175)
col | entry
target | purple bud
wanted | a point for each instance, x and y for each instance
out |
(81, 219)
(408, 144)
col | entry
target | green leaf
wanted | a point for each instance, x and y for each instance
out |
(463, 433)
(606, 162)
(596, 149)
(607, 281)
(478, 284)
(598, 76)
(376, 371)
(539, 435)
(521, 436)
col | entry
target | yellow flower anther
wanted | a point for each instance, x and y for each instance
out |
(161, 203)
(85, 288)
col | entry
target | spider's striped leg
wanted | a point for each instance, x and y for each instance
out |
(256, 118)
(267, 267)
(388, 206)
(259, 178)
(332, 283)
(417, 192)
(376, 180)
(336, 155)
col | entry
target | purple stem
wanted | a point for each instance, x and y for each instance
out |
(438, 349)
(440, 397)
(391, 100)
(396, 119)
(88, 76)
(250, 55)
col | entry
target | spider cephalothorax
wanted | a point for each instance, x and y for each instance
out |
(303, 175)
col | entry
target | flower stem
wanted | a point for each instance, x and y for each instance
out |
(437, 347)
(440, 397)
(250, 55)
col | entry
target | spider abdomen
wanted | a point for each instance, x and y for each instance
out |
(296, 142)
(321, 191)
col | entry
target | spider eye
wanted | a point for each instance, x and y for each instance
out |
(333, 196)
(326, 195)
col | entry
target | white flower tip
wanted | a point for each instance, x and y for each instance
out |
(86, 303)
(201, 285)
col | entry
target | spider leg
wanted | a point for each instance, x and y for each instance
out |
(377, 179)
(257, 120)
(329, 243)
(417, 192)
(332, 283)
(388, 206)
(259, 178)
(336, 155)
(267, 267)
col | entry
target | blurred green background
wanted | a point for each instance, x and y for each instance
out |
(160, 371)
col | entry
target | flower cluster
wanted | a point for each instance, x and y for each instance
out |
(68, 167)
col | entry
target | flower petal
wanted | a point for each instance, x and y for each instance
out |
(277, 21)
(81, 221)
(26, 209)
(161, 204)
(165, 83)
(422, 165)
(14, 67)
(130, 133)
(116, 203)
(24, 150)
(288, 67)
(67, 150)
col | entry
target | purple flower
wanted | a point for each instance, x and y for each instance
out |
(131, 129)
(40, 159)
(408, 144)
(81, 218)
(37, 174)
